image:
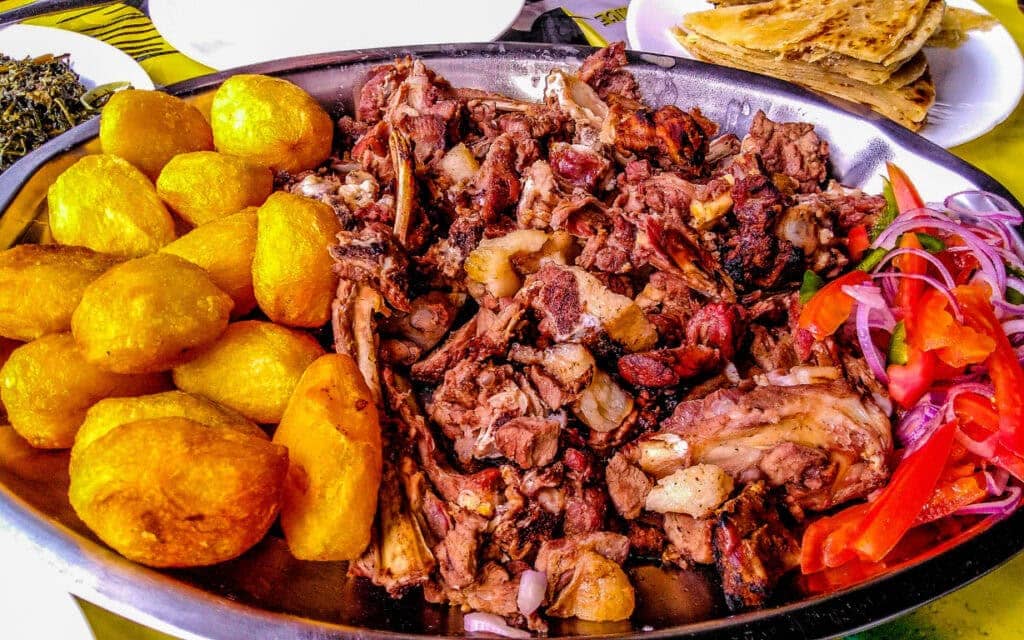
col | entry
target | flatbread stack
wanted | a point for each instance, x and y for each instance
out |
(866, 51)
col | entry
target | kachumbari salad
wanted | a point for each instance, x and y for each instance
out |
(937, 307)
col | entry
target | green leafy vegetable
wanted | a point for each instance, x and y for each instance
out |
(892, 210)
(930, 243)
(871, 260)
(810, 285)
(898, 344)
(39, 98)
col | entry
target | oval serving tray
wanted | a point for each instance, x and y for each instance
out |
(266, 593)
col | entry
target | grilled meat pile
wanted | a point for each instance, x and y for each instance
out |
(579, 316)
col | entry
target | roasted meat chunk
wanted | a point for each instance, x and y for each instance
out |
(823, 442)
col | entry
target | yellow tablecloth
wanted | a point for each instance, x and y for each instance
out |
(990, 609)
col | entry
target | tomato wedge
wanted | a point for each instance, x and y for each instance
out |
(951, 495)
(831, 306)
(907, 198)
(908, 382)
(893, 513)
(1003, 366)
(857, 241)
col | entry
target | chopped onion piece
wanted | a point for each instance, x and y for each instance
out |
(532, 587)
(489, 623)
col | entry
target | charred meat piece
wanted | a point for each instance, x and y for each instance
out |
(753, 548)
(718, 325)
(497, 185)
(791, 148)
(429, 319)
(485, 334)
(574, 306)
(666, 367)
(371, 256)
(538, 198)
(754, 256)
(529, 441)
(578, 166)
(376, 92)
(398, 557)
(423, 111)
(835, 443)
(668, 136)
(476, 399)
(603, 70)
(690, 539)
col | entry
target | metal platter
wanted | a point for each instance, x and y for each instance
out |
(266, 593)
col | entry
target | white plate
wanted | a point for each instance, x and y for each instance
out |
(232, 33)
(33, 602)
(95, 61)
(977, 85)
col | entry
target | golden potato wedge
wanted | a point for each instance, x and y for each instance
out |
(253, 368)
(224, 248)
(110, 413)
(104, 203)
(205, 185)
(171, 492)
(47, 386)
(149, 314)
(332, 431)
(272, 122)
(292, 272)
(148, 128)
(40, 286)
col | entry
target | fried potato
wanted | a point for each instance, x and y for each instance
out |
(205, 185)
(224, 248)
(104, 203)
(332, 431)
(203, 495)
(149, 314)
(108, 414)
(253, 368)
(148, 128)
(47, 386)
(40, 286)
(292, 272)
(272, 122)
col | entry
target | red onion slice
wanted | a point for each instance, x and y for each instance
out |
(867, 346)
(996, 481)
(532, 587)
(489, 623)
(944, 273)
(1001, 507)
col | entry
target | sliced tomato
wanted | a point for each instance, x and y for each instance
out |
(932, 327)
(857, 241)
(820, 547)
(908, 382)
(893, 513)
(908, 290)
(1003, 366)
(951, 495)
(851, 573)
(907, 198)
(831, 306)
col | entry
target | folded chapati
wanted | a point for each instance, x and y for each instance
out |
(882, 32)
(904, 97)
